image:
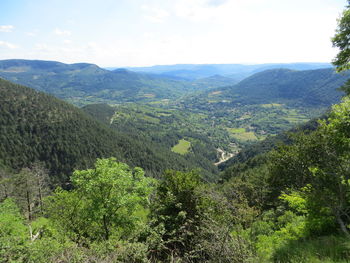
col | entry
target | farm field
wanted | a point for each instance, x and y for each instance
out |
(182, 147)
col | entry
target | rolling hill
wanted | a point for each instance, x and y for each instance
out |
(235, 71)
(308, 88)
(84, 83)
(38, 127)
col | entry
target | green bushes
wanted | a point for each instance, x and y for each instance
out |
(116, 214)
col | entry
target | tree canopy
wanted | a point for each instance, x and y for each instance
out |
(341, 40)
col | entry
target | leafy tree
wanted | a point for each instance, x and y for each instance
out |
(193, 222)
(341, 40)
(27, 188)
(177, 208)
(317, 164)
(105, 200)
(330, 184)
(13, 233)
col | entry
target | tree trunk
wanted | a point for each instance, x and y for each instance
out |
(105, 226)
(342, 226)
(40, 200)
(28, 206)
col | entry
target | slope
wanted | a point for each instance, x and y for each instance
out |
(237, 71)
(38, 127)
(310, 88)
(163, 128)
(84, 83)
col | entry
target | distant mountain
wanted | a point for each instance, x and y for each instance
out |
(214, 81)
(310, 88)
(236, 71)
(84, 83)
(38, 127)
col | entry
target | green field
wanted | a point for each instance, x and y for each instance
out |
(245, 136)
(182, 147)
(236, 130)
(271, 105)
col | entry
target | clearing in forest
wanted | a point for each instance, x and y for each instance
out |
(182, 147)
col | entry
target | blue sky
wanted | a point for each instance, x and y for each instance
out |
(149, 32)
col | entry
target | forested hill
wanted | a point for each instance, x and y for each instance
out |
(164, 130)
(236, 71)
(84, 83)
(38, 127)
(254, 154)
(308, 88)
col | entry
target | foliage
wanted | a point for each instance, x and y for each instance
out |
(193, 224)
(341, 41)
(321, 249)
(163, 128)
(84, 83)
(104, 202)
(306, 185)
(13, 233)
(37, 127)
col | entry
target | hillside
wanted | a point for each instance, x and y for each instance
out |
(84, 83)
(163, 128)
(38, 127)
(236, 71)
(309, 88)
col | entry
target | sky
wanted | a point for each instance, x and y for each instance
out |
(120, 33)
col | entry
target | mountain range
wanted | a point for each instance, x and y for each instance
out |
(310, 88)
(235, 71)
(84, 83)
(36, 127)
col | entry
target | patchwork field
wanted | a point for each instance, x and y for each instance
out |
(182, 147)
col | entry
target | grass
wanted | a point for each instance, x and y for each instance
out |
(242, 135)
(236, 130)
(149, 95)
(245, 136)
(245, 116)
(215, 93)
(163, 114)
(149, 119)
(182, 147)
(293, 119)
(321, 249)
(271, 105)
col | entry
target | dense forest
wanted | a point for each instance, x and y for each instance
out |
(36, 127)
(140, 182)
(116, 214)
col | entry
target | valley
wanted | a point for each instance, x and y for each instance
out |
(208, 111)
(210, 148)
(201, 131)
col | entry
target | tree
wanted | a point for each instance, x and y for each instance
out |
(194, 222)
(27, 188)
(341, 40)
(317, 165)
(105, 200)
(13, 233)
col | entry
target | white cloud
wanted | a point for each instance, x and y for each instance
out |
(31, 34)
(42, 47)
(216, 2)
(155, 15)
(60, 32)
(6, 28)
(67, 41)
(198, 10)
(7, 45)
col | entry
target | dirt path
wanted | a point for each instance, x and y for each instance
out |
(224, 156)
